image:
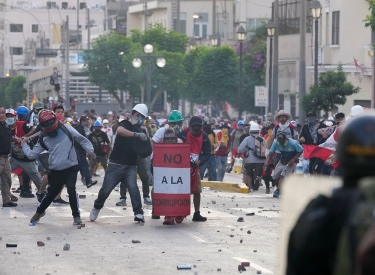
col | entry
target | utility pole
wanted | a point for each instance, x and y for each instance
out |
(302, 62)
(146, 16)
(88, 29)
(77, 26)
(214, 16)
(67, 92)
(178, 28)
(275, 73)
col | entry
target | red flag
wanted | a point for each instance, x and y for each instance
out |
(356, 63)
(315, 151)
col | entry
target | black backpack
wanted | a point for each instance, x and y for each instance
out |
(313, 241)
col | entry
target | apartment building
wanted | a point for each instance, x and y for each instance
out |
(342, 37)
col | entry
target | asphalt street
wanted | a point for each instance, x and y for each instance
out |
(106, 246)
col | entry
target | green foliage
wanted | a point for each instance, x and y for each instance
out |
(15, 92)
(3, 102)
(332, 90)
(161, 39)
(370, 19)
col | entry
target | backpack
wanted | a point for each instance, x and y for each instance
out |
(260, 147)
(292, 129)
(312, 246)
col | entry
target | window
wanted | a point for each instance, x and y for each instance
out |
(281, 101)
(16, 51)
(336, 28)
(182, 23)
(363, 103)
(293, 105)
(82, 6)
(252, 25)
(16, 28)
(34, 28)
(64, 5)
(200, 26)
(221, 25)
(51, 5)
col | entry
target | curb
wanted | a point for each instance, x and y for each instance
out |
(226, 186)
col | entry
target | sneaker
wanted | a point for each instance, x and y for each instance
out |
(59, 201)
(198, 218)
(116, 188)
(10, 204)
(94, 214)
(39, 197)
(77, 220)
(147, 201)
(168, 220)
(27, 195)
(179, 219)
(121, 202)
(276, 194)
(139, 218)
(251, 190)
(268, 191)
(96, 175)
(91, 183)
(37, 217)
(18, 190)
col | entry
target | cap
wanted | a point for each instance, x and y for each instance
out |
(281, 136)
(195, 120)
(10, 111)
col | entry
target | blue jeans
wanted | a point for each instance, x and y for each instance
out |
(84, 166)
(221, 164)
(211, 165)
(116, 173)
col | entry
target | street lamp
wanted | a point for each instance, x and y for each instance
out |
(137, 62)
(271, 27)
(214, 39)
(316, 10)
(193, 44)
(241, 37)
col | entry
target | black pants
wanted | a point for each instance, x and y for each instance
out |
(57, 179)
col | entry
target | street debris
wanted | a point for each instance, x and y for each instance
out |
(66, 247)
(241, 241)
(241, 268)
(40, 243)
(180, 267)
(136, 241)
(82, 196)
(219, 269)
(231, 236)
(259, 272)
(48, 238)
(245, 263)
(79, 226)
(248, 232)
(255, 251)
(250, 214)
(213, 202)
(57, 255)
(11, 245)
(83, 225)
(240, 219)
(219, 250)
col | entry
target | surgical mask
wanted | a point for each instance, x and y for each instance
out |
(137, 120)
(10, 121)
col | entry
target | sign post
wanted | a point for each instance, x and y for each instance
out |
(171, 179)
(261, 96)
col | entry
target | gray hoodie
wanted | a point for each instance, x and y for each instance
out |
(249, 142)
(62, 154)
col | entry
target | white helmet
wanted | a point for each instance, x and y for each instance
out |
(294, 123)
(328, 123)
(110, 113)
(254, 127)
(105, 121)
(251, 122)
(356, 110)
(142, 109)
(99, 119)
(69, 119)
(330, 118)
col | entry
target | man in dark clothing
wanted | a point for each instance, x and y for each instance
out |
(99, 140)
(310, 135)
(200, 153)
(82, 128)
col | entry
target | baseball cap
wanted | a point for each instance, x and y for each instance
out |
(195, 120)
(10, 111)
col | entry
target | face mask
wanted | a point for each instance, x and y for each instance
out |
(311, 120)
(97, 130)
(10, 121)
(137, 120)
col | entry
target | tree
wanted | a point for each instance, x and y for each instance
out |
(160, 38)
(217, 76)
(104, 63)
(15, 92)
(331, 90)
(370, 19)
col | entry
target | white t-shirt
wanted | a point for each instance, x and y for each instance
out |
(109, 133)
(159, 134)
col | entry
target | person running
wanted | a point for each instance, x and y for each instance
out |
(254, 163)
(59, 140)
(200, 152)
(122, 164)
(290, 151)
(236, 136)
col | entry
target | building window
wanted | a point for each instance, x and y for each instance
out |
(293, 105)
(336, 28)
(182, 23)
(16, 28)
(16, 51)
(34, 28)
(252, 25)
(200, 26)
(222, 24)
(82, 6)
(64, 5)
(281, 101)
(363, 103)
(51, 5)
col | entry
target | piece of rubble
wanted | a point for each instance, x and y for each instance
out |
(83, 225)
(40, 243)
(82, 196)
(250, 214)
(57, 255)
(213, 202)
(245, 263)
(135, 241)
(255, 251)
(48, 238)
(240, 219)
(241, 268)
(259, 272)
(248, 232)
(79, 226)
(231, 236)
(219, 269)
(219, 250)
(66, 247)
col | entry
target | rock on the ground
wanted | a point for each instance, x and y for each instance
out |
(66, 247)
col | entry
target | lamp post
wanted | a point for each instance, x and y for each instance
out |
(137, 62)
(271, 32)
(241, 33)
(316, 10)
(214, 39)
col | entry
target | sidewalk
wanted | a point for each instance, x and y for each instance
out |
(232, 182)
